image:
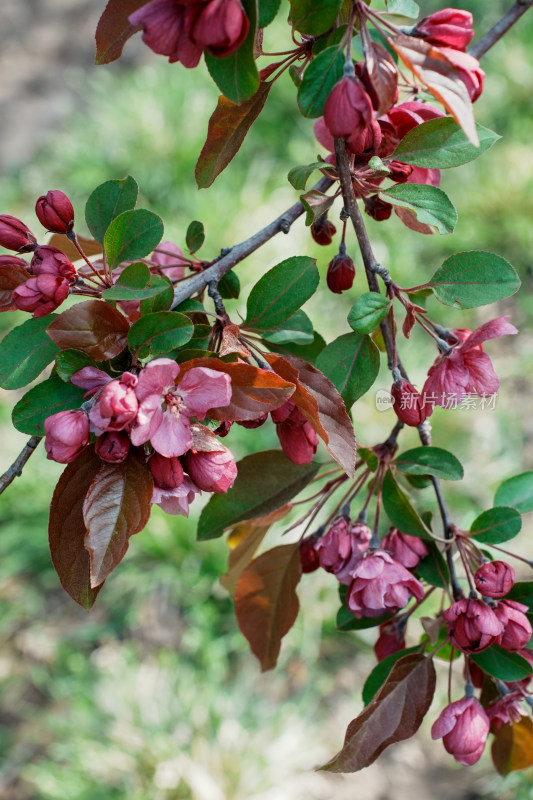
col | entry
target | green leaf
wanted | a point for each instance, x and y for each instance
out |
(229, 286)
(132, 235)
(108, 201)
(474, 278)
(347, 622)
(351, 362)
(403, 8)
(267, 12)
(314, 16)
(432, 206)
(265, 481)
(440, 144)
(298, 176)
(315, 203)
(516, 492)
(49, 397)
(400, 511)
(25, 352)
(70, 361)
(319, 79)
(307, 352)
(430, 461)
(496, 525)
(433, 568)
(502, 664)
(380, 673)
(298, 329)
(366, 314)
(369, 457)
(236, 75)
(161, 301)
(159, 332)
(280, 292)
(135, 283)
(195, 236)
(523, 592)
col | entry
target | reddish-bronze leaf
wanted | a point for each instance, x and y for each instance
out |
(117, 505)
(227, 128)
(254, 391)
(67, 530)
(266, 603)
(430, 66)
(321, 405)
(410, 220)
(395, 714)
(114, 30)
(512, 748)
(94, 327)
(231, 343)
(89, 246)
(243, 541)
(11, 276)
(383, 76)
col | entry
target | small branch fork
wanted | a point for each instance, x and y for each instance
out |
(15, 470)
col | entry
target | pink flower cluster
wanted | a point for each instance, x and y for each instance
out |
(157, 407)
(50, 272)
(183, 29)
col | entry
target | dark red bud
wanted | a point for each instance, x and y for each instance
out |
(323, 230)
(54, 211)
(14, 235)
(308, 555)
(409, 406)
(113, 446)
(341, 272)
(377, 208)
(399, 173)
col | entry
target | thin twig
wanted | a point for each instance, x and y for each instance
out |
(501, 28)
(15, 470)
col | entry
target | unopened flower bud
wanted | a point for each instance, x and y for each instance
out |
(41, 295)
(450, 27)
(391, 639)
(463, 727)
(113, 446)
(167, 472)
(323, 230)
(494, 579)
(54, 262)
(211, 471)
(409, 406)
(55, 212)
(348, 109)
(377, 208)
(367, 140)
(408, 550)
(14, 235)
(516, 628)
(340, 274)
(117, 405)
(308, 554)
(296, 435)
(220, 27)
(399, 172)
(66, 435)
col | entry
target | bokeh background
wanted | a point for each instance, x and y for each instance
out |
(154, 695)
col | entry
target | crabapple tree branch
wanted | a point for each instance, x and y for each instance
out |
(500, 28)
(15, 470)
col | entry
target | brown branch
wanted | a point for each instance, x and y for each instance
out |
(239, 252)
(15, 470)
(502, 26)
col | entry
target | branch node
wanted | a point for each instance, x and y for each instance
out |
(284, 225)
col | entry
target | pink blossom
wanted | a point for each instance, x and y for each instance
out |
(66, 435)
(90, 378)
(113, 446)
(449, 27)
(463, 727)
(53, 261)
(177, 500)
(220, 26)
(380, 585)
(467, 369)
(166, 408)
(505, 711)
(213, 471)
(167, 472)
(173, 266)
(516, 628)
(342, 547)
(473, 625)
(116, 406)
(54, 211)
(41, 295)
(297, 436)
(494, 579)
(408, 550)
(167, 30)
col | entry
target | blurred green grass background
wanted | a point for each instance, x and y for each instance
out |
(154, 694)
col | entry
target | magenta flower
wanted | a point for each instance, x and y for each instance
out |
(466, 369)
(167, 31)
(473, 625)
(494, 578)
(380, 585)
(516, 628)
(116, 406)
(342, 547)
(66, 435)
(166, 408)
(463, 727)
(408, 550)
(296, 435)
(213, 471)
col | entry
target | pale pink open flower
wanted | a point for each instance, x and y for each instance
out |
(380, 585)
(166, 408)
(463, 727)
(466, 369)
(176, 501)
